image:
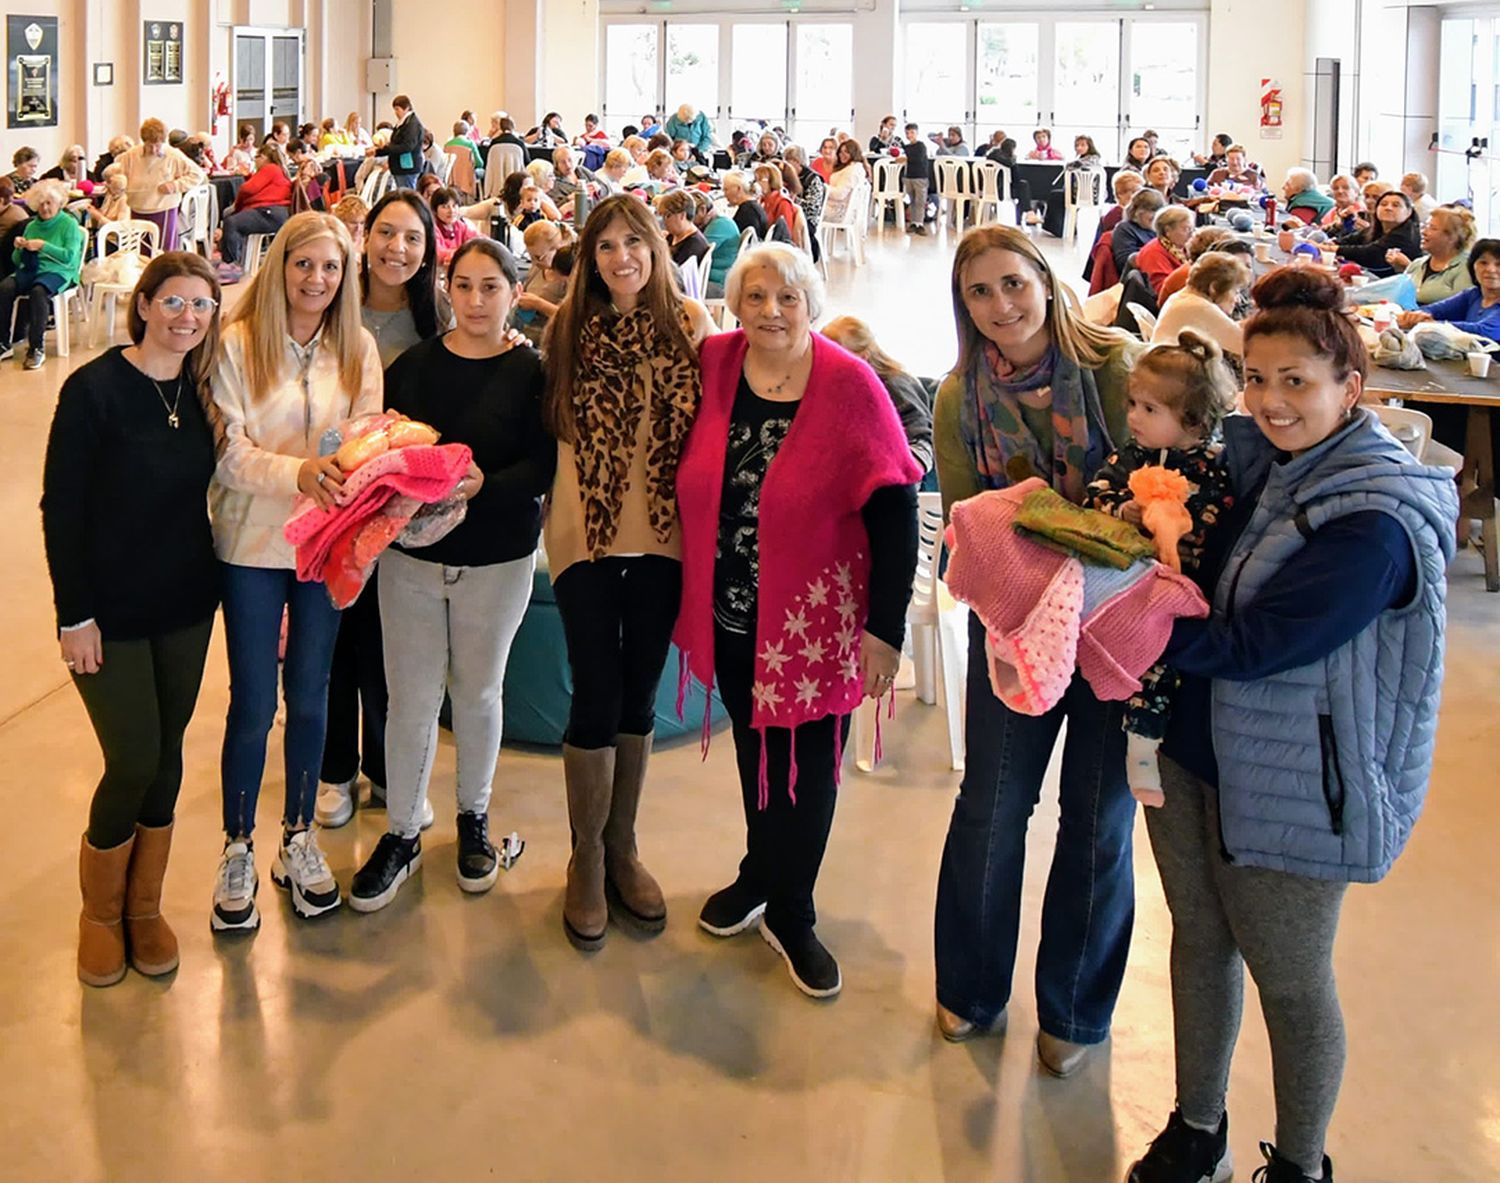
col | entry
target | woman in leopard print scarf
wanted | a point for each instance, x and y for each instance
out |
(622, 389)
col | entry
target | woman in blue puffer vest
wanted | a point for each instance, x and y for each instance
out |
(1301, 741)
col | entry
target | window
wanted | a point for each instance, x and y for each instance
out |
(1087, 87)
(824, 95)
(757, 86)
(937, 76)
(1007, 81)
(692, 68)
(1164, 84)
(630, 81)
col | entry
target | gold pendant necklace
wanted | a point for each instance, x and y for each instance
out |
(171, 408)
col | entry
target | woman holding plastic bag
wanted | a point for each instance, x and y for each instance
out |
(295, 363)
(450, 611)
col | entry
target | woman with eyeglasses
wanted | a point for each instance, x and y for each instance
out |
(125, 520)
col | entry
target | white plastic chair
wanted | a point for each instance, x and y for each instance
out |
(940, 642)
(1412, 429)
(195, 221)
(503, 159)
(851, 223)
(955, 180)
(377, 184)
(992, 186)
(63, 306)
(695, 276)
(1143, 318)
(1083, 188)
(136, 236)
(257, 246)
(749, 238)
(890, 176)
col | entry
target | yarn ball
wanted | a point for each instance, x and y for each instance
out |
(1306, 248)
(895, 152)
(1241, 220)
(1153, 482)
(1200, 185)
(1317, 236)
(1350, 270)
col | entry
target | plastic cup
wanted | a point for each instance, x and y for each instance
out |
(1263, 252)
(1479, 365)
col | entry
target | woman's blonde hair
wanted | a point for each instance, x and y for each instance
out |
(263, 308)
(855, 336)
(617, 158)
(544, 236)
(660, 159)
(1081, 342)
(1216, 274)
(1204, 391)
(1169, 217)
(769, 177)
(538, 169)
(1460, 224)
(675, 201)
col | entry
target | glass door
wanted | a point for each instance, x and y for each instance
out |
(1007, 80)
(823, 81)
(1163, 90)
(632, 65)
(937, 75)
(692, 69)
(757, 77)
(268, 81)
(1086, 87)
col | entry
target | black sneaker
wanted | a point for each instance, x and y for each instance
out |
(1182, 1154)
(377, 882)
(731, 911)
(478, 864)
(813, 969)
(1281, 1170)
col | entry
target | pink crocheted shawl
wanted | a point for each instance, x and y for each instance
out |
(845, 442)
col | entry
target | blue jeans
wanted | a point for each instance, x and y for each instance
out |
(253, 601)
(1089, 906)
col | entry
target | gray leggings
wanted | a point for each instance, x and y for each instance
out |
(1282, 926)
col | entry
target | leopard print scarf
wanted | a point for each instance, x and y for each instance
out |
(626, 366)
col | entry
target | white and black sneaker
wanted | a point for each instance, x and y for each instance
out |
(34, 359)
(376, 883)
(377, 797)
(235, 888)
(478, 862)
(301, 868)
(813, 969)
(336, 803)
(7, 351)
(1185, 1154)
(731, 910)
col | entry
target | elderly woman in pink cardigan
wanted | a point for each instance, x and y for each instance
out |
(797, 496)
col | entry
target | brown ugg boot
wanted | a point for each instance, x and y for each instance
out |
(151, 941)
(590, 777)
(101, 935)
(631, 888)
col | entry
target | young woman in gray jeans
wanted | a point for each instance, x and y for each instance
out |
(450, 611)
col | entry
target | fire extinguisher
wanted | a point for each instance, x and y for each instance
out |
(220, 101)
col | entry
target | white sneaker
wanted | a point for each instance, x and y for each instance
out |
(377, 795)
(301, 867)
(234, 890)
(336, 803)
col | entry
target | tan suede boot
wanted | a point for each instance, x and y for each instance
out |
(101, 935)
(631, 888)
(151, 941)
(590, 777)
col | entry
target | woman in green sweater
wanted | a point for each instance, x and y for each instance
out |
(48, 256)
(1037, 391)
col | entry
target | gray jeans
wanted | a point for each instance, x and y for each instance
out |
(1282, 926)
(445, 628)
(916, 195)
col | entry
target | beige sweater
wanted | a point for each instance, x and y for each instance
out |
(263, 442)
(145, 173)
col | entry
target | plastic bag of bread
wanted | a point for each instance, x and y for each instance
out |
(359, 440)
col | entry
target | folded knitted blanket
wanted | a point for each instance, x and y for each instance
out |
(376, 504)
(1091, 535)
(1045, 612)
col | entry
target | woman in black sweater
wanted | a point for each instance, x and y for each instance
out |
(1396, 227)
(135, 582)
(450, 610)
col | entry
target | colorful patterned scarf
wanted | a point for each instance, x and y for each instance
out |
(1004, 448)
(627, 366)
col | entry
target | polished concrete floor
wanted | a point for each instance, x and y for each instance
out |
(450, 1037)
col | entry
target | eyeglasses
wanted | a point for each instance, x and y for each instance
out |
(173, 305)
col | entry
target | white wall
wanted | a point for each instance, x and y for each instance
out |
(1250, 40)
(447, 61)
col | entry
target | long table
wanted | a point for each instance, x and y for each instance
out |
(1449, 382)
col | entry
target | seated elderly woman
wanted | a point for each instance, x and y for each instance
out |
(610, 176)
(48, 256)
(661, 168)
(1168, 250)
(778, 199)
(767, 148)
(1137, 228)
(1304, 200)
(1395, 228)
(748, 214)
(71, 169)
(1477, 309)
(1204, 305)
(635, 146)
(1203, 240)
(722, 235)
(1347, 207)
(1162, 174)
(795, 580)
(812, 189)
(1237, 169)
(1444, 270)
(676, 209)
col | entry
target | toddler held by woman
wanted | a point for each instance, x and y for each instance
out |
(1177, 397)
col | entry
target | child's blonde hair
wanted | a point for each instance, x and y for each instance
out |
(1200, 387)
(541, 237)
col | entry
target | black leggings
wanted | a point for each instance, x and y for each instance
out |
(617, 616)
(784, 843)
(38, 308)
(139, 703)
(357, 697)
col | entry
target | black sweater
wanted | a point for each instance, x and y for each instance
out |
(494, 405)
(405, 148)
(1406, 238)
(125, 504)
(749, 215)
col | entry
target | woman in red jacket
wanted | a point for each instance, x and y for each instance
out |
(262, 206)
(1168, 250)
(778, 203)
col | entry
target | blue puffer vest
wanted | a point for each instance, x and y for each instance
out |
(1323, 769)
